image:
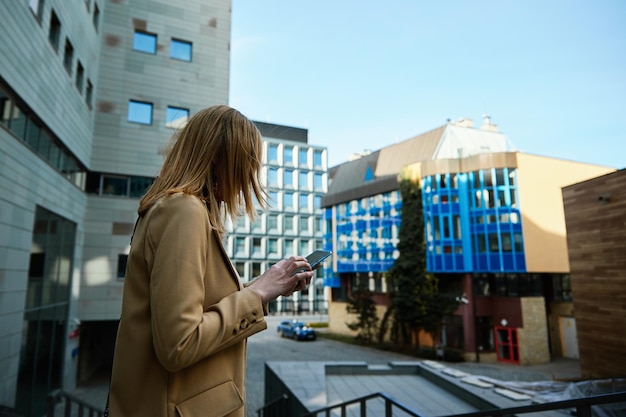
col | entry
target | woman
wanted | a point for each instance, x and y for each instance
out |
(181, 342)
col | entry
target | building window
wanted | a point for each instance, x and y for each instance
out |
(318, 182)
(180, 50)
(241, 269)
(256, 247)
(304, 225)
(288, 178)
(36, 6)
(272, 200)
(288, 248)
(89, 93)
(96, 16)
(145, 42)
(176, 117)
(272, 247)
(288, 155)
(317, 159)
(303, 180)
(303, 157)
(272, 153)
(303, 201)
(54, 34)
(240, 246)
(288, 201)
(122, 260)
(317, 202)
(80, 77)
(272, 177)
(272, 222)
(140, 112)
(68, 56)
(288, 223)
(114, 185)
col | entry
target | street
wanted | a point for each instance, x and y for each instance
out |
(268, 346)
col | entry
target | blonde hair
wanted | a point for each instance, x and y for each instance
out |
(216, 157)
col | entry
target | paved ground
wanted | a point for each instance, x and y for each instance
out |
(267, 346)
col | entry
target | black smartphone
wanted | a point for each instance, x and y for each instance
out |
(317, 256)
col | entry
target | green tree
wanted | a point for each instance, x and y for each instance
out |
(416, 303)
(363, 306)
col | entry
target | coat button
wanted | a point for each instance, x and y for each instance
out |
(244, 324)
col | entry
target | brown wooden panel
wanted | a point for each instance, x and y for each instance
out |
(595, 215)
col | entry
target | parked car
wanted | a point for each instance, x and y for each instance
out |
(295, 329)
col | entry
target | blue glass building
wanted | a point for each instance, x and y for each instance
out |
(494, 229)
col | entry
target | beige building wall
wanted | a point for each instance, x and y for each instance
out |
(540, 180)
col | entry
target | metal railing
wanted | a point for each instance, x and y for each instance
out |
(73, 405)
(276, 408)
(581, 405)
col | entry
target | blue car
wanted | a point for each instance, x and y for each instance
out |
(296, 330)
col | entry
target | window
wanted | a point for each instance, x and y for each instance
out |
(317, 159)
(256, 247)
(303, 180)
(36, 6)
(145, 42)
(317, 202)
(304, 225)
(241, 268)
(272, 200)
(54, 34)
(272, 177)
(272, 153)
(89, 93)
(288, 248)
(5, 108)
(288, 201)
(272, 247)
(303, 201)
(240, 246)
(303, 157)
(272, 222)
(96, 16)
(114, 185)
(140, 112)
(180, 50)
(318, 183)
(288, 178)
(288, 223)
(122, 260)
(288, 155)
(80, 76)
(68, 56)
(176, 117)
(139, 185)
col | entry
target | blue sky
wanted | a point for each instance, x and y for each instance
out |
(363, 74)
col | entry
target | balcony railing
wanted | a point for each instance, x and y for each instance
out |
(70, 406)
(581, 405)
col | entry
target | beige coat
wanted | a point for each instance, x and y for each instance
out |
(181, 343)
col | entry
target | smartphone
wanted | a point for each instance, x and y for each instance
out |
(317, 256)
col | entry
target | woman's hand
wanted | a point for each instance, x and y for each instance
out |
(283, 278)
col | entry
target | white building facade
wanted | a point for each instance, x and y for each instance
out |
(296, 177)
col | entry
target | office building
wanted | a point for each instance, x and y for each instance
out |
(90, 93)
(495, 234)
(295, 173)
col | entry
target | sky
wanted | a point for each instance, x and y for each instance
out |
(364, 74)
